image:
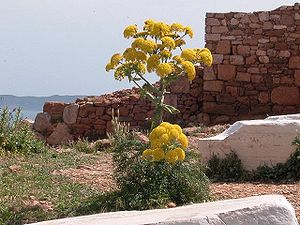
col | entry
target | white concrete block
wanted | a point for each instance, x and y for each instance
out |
(256, 142)
(259, 210)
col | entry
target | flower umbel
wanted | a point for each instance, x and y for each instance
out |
(167, 143)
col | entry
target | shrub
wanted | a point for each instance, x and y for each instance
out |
(288, 171)
(146, 184)
(83, 145)
(16, 135)
(229, 168)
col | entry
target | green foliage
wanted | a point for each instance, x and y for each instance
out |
(16, 135)
(145, 185)
(288, 171)
(229, 168)
(35, 177)
(83, 145)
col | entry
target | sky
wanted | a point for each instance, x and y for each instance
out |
(61, 47)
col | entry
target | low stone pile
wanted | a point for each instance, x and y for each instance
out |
(91, 116)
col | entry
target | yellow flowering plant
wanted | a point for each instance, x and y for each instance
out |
(153, 50)
(167, 142)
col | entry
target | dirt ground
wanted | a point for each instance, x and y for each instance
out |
(100, 175)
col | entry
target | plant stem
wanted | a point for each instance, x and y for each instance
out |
(158, 108)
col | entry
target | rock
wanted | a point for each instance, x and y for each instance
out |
(297, 77)
(182, 85)
(285, 96)
(264, 16)
(243, 50)
(236, 60)
(60, 135)
(264, 59)
(102, 144)
(70, 113)
(294, 62)
(258, 210)
(142, 137)
(223, 47)
(212, 37)
(214, 85)
(212, 22)
(243, 77)
(226, 72)
(15, 168)
(42, 123)
(256, 142)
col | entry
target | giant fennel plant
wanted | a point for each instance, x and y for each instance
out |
(153, 174)
(158, 48)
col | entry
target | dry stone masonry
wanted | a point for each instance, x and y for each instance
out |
(256, 69)
(255, 73)
(91, 116)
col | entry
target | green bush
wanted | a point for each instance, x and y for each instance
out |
(83, 145)
(229, 168)
(145, 185)
(288, 171)
(16, 135)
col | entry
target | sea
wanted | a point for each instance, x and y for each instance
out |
(29, 114)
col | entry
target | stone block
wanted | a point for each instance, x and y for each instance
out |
(233, 91)
(256, 142)
(212, 22)
(243, 50)
(294, 62)
(264, 16)
(209, 73)
(219, 29)
(236, 60)
(212, 37)
(42, 123)
(214, 85)
(264, 59)
(226, 72)
(70, 113)
(258, 210)
(214, 108)
(263, 97)
(285, 96)
(60, 135)
(182, 85)
(223, 47)
(297, 77)
(218, 58)
(243, 77)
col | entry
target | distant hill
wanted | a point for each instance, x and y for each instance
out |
(30, 103)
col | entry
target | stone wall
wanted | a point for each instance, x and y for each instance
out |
(256, 69)
(91, 116)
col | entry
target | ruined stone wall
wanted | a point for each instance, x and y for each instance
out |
(256, 70)
(91, 116)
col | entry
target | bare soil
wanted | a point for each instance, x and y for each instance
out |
(100, 175)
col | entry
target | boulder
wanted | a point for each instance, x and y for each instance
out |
(60, 135)
(258, 210)
(256, 142)
(42, 123)
(70, 113)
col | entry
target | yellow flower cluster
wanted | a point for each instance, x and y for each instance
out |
(204, 55)
(167, 143)
(164, 69)
(130, 31)
(189, 69)
(152, 49)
